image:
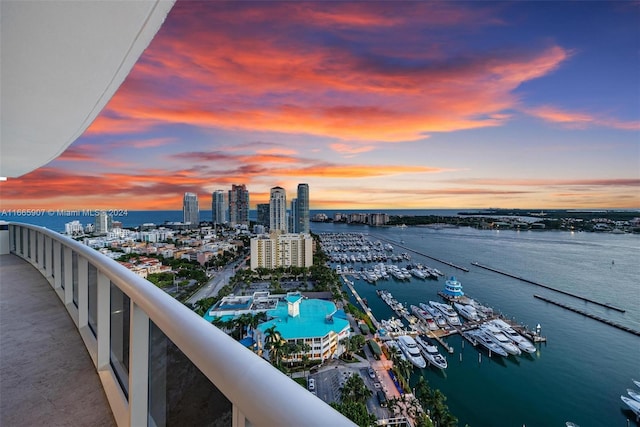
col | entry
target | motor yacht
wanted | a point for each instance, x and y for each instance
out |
(478, 336)
(633, 404)
(522, 343)
(497, 336)
(411, 351)
(449, 313)
(467, 311)
(430, 352)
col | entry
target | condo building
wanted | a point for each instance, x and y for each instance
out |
(102, 223)
(219, 207)
(190, 209)
(281, 250)
(263, 214)
(278, 210)
(302, 210)
(238, 205)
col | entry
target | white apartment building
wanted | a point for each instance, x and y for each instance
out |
(278, 210)
(73, 228)
(281, 250)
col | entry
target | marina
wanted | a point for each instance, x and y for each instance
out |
(483, 329)
(450, 264)
(571, 363)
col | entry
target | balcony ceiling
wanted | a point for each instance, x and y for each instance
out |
(60, 63)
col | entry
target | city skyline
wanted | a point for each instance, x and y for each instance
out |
(375, 105)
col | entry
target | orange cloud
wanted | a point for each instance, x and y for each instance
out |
(222, 73)
(580, 120)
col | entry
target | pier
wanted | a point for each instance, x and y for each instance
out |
(504, 273)
(364, 306)
(450, 264)
(589, 315)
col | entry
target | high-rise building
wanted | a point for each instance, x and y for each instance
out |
(239, 205)
(293, 216)
(263, 214)
(190, 209)
(302, 210)
(219, 207)
(278, 210)
(102, 223)
(281, 250)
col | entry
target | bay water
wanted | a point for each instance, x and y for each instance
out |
(585, 366)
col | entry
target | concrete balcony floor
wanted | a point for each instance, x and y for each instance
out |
(47, 377)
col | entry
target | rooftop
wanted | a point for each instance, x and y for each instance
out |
(317, 318)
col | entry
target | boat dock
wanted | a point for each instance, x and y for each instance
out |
(504, 273)
(364, 306)
(450, 264)
(589, 315)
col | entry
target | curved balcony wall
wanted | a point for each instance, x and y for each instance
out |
(161, 364)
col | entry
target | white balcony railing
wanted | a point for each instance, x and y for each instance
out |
(160, 363)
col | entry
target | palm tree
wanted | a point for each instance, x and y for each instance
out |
(355, 390)
(243, 321)
(305, 360)
(255, 320)
(274, 343)
(218, 322)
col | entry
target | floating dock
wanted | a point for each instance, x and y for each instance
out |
(589, 315)
(504, 273)
(450, 264)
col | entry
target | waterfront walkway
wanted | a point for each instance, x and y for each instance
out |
(47, 377)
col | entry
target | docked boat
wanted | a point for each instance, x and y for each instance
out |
(424, 316)
(522, 343)
(430, 352)
(631, 392)
(482, 338)
(441, 322)
(636, 382)
(449, 314)
(393, 347)
(418, 273)
(633, 404)
(500, 338)
(467, 311)
(411, 351)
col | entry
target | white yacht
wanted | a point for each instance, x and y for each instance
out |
(411, 351)
(636, 395)
(500, 338)
(480, 337)
(425, 317)
(430, 352)
(522, 343)
(467, 311)
(449, 313)
(418, 273)
(633, 404)
(440, 321)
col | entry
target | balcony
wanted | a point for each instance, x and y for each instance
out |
(137, 356)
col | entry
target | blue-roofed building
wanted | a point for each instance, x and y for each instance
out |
(314, 322)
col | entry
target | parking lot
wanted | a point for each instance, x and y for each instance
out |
(329, 381)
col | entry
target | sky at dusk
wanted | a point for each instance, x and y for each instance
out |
(373, 104)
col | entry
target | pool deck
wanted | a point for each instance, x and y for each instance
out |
(46, 374)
